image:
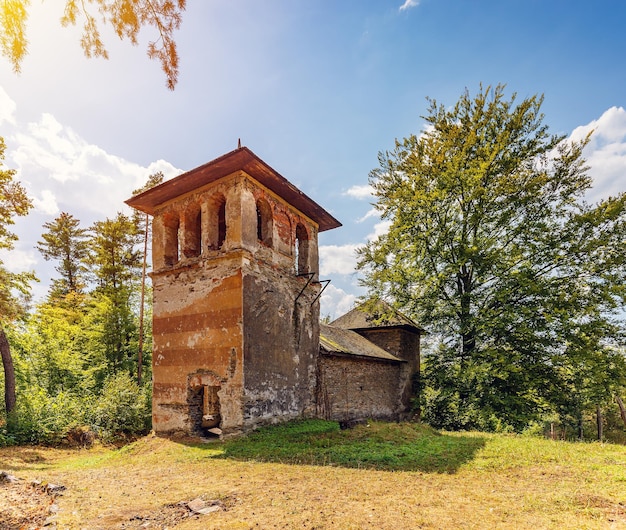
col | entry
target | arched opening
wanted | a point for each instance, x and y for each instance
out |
(221, 223)
(301, 248)
(193, 232)
(216, 226)
(204, 409)
(171, 226)
(264, 222)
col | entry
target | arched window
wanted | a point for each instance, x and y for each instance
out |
(264, 222)
(216, 226)
(221, 223)
(171, 225)
(193, 232)
(302, 250)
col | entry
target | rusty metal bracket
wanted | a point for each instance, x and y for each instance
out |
(310, 276)
(325, 282)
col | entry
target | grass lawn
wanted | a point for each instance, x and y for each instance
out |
(312, 475)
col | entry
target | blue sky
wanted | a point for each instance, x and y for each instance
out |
(316, 89)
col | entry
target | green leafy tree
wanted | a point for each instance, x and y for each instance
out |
(60, 347)
(115, 263)
(493, 247)
(66, 242)
(13, 287)
(126, 18)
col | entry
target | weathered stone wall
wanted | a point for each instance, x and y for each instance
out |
(281, 342)
(229, 313)
(197, 330)
(405, 345)
(352, 388)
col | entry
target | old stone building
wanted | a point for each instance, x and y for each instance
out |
(236, 308)
(368, 365)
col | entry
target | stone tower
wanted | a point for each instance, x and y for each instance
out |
(236, 308)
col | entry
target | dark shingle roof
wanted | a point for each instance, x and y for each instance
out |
(382, 316)
(337, 341)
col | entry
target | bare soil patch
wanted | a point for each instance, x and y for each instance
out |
(24, 506)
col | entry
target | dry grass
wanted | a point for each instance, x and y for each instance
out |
(503, 482)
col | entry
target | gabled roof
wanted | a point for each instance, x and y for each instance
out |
(337, 341)
(381, 316)
(240, 159)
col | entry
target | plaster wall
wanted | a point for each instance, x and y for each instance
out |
(281, 344)
(197, 333)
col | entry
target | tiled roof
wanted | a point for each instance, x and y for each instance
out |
(383, 316)
(240, 159)
(337, 341)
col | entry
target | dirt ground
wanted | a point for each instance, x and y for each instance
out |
(24, 506)
(33, 506)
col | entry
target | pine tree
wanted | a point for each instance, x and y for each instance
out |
(67, 243)
(115, 263)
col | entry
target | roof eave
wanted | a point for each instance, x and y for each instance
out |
(240, 159)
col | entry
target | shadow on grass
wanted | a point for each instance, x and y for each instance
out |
(382, 446)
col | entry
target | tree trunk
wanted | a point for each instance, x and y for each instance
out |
(142, 303)
(9, 373)
(599, 422)
(581, 432)
(622, 409)
(468, 332)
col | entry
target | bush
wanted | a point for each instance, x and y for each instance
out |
(40, 418)
(123, 409)
(6, 438)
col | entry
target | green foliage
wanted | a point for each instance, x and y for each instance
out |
(60, 347)
(13, 203)
(492, 247)
(14, 288)
(43, 418)
(403, 446)
(75, 351)
(65, 242)
(123, 409)
(126, 19)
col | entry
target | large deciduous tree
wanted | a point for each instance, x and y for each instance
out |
(492, 246)
(124, 16)
(13, 202)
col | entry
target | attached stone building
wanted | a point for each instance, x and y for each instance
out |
(369, 365)
(236, 303)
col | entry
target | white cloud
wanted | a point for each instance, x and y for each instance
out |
(7, 108)
(17, 260)
(75, 174)
(364, 191)
(335, 302)
(605, 153)
(373, 212)
(379, 229)
(337, 259)
(62, 171)
(409, 4)
(47, 204)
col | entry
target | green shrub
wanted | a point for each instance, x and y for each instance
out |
(123, 409)
(40, 418)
